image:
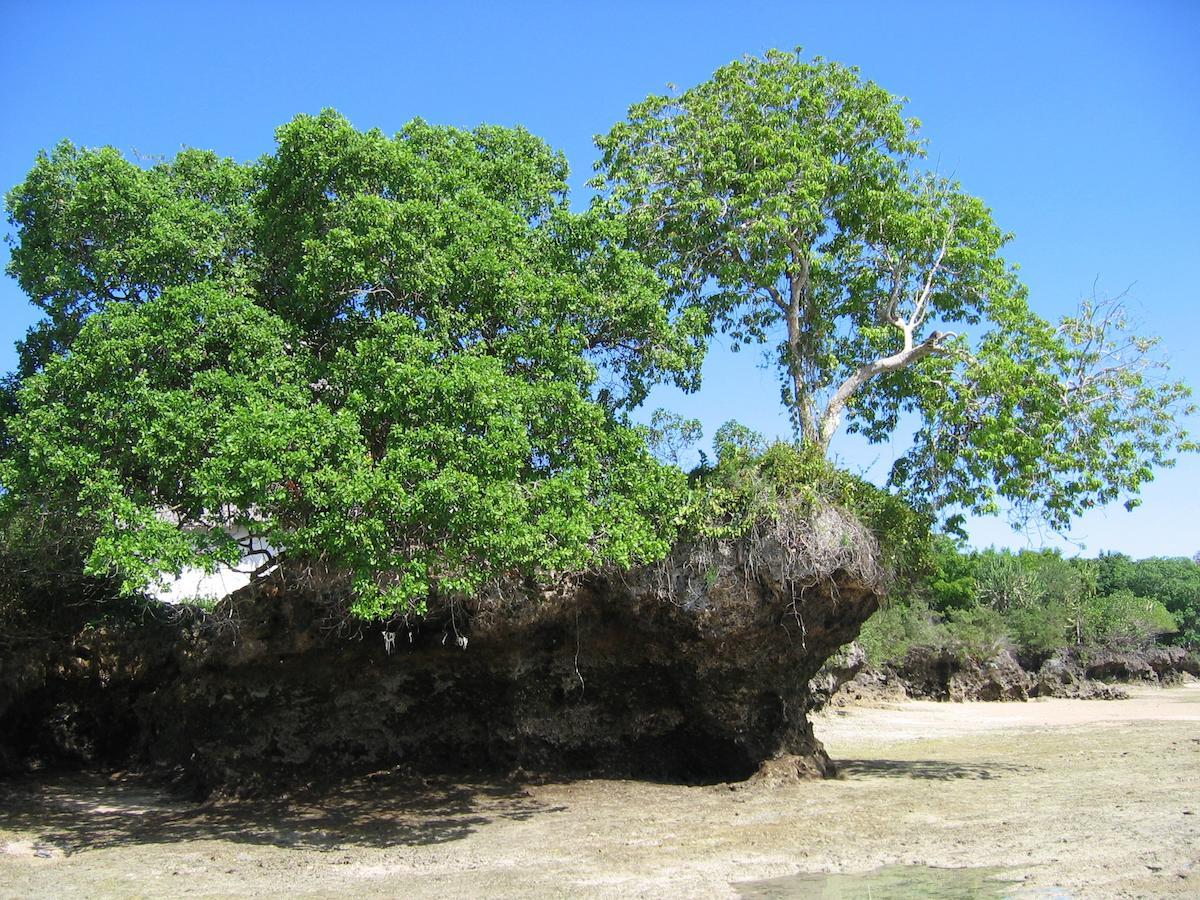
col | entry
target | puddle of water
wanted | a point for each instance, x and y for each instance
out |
(895, 883)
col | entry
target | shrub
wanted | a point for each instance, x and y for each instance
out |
(1039, 631)
(890, 632)
(976, 631)
(1123, 619)
(753, 482)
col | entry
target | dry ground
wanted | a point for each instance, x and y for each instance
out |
(1053, 797)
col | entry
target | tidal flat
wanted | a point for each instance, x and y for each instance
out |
(1050, 798)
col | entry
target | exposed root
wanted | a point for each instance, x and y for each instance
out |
(798, 548)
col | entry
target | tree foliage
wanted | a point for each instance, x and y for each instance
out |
(407, 358)
(786, 200)
(379, 352)
(1173, 581)
(94, 228)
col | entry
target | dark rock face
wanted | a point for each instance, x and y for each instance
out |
(869, 686)
(926, 672)
(1000, 678)
(940, 674)
(1115, 666)
(1165, 664)
(663, 672)
(1171, 664)
(1062, 676)
(839, 670)
(67, 701)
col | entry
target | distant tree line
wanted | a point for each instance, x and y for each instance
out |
(978, 602)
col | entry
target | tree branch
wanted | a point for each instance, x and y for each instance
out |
(911, 354)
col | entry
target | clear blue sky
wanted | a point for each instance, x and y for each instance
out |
(1077, 122)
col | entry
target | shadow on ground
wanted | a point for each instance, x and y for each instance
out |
(85, 812)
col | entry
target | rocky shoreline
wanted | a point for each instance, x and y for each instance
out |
(927, 674)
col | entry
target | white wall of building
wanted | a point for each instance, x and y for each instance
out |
(196, 584)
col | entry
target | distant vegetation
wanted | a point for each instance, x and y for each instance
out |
(1036, 603)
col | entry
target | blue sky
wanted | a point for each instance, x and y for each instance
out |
(1077, 122)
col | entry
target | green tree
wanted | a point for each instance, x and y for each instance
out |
(1005, 582)
(94, 228)
(379, 352)
(952, 582)
(669, 435)
(1122, 619)
(1174, 582)
(785, 199)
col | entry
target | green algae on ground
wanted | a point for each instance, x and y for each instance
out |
(893, 882)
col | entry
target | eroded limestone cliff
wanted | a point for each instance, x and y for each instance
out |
(696, 668)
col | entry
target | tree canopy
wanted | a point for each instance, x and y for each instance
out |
(381, 352)
(407, 358)
(785, 198)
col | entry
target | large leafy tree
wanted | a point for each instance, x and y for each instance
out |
(94, 228)
(785, 199)
(383, 352)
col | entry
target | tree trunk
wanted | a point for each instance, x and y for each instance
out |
(799, 348)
